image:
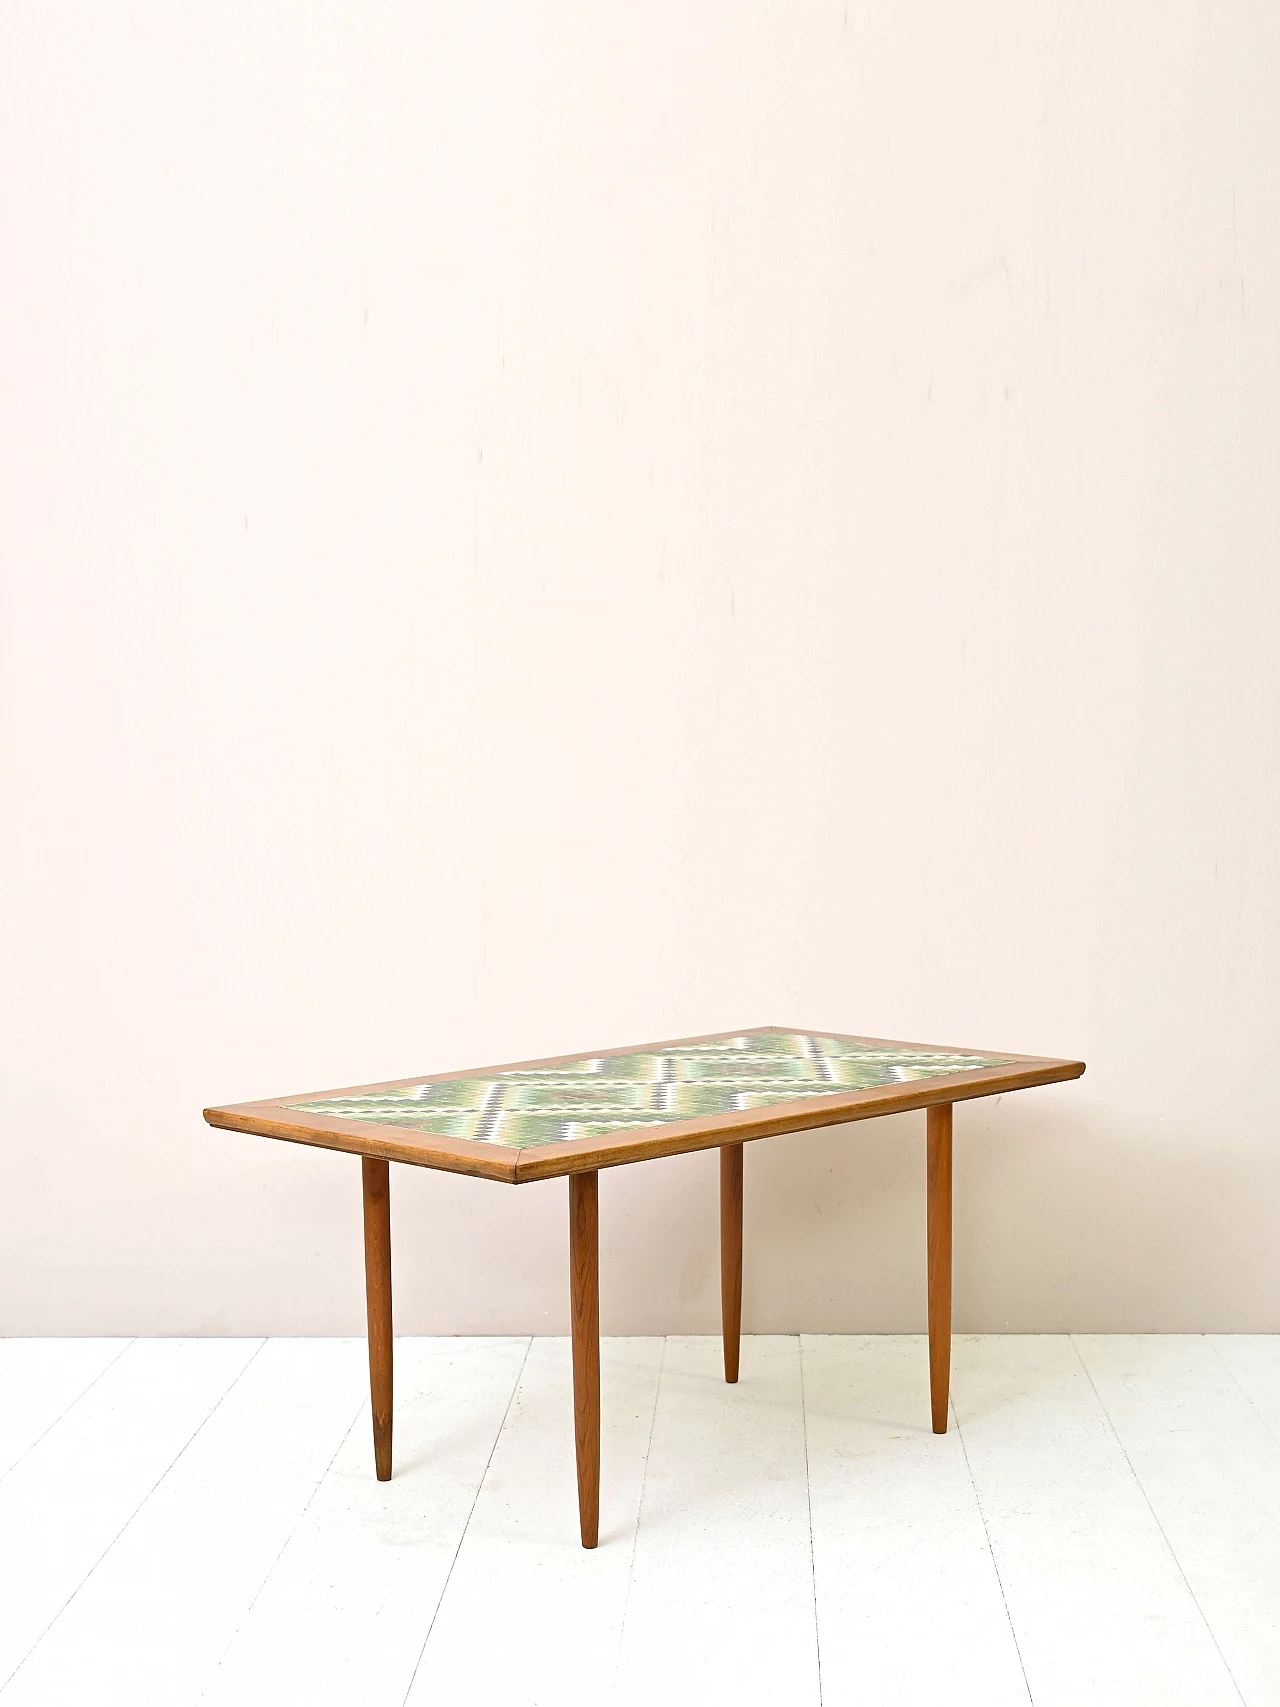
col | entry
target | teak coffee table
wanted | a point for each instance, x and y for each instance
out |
(576, 1114)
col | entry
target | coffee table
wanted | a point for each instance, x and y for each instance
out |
(572, 1115)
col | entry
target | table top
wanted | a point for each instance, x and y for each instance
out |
(567, 1114)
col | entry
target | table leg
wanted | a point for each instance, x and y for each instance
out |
(731, 1255)
(377, 1291)
(939, 1238)
(584, 1296)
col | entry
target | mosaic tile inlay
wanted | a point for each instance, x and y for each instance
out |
(603, 1094)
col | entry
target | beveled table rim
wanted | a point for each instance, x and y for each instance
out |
(273, 1117)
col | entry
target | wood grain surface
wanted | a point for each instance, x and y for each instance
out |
(584, 1303)
(377, 1290)
(938, 1234)
(731, 1256)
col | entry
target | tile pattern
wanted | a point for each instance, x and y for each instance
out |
(599, 1095)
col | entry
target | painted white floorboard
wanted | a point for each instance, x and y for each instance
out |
(39, 1380)
(529, 1619)
(1211, 1470)
(198, 1521)
(343, 1615)
(910, 1609)
(63, 1505)
(1254, 1361)
(1099, 1604)
(721, 1601)
(151, 1623)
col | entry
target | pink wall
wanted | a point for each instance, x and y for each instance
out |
(540, 527)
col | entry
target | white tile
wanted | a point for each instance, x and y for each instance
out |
(67, 1500)
(152, 1621)
(721, 1600)
(1211, 1470)
(910, 1609)
(342, 1617)
(1099, 1606)
(39, 1380)
(1254, 1361)
(529, 1617)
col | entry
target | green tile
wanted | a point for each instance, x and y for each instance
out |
(603, 1094)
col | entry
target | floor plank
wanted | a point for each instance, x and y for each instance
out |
(899, 1545)
(503, 1632)
(1211, 1470)
(721, 1601)
(198, 1520)
(1099, 1605)
(1254, 1362)
(40, 1379)
(151, 1622)
(342, 1617)
(66, 1501)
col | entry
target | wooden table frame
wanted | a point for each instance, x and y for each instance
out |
(580, 1161)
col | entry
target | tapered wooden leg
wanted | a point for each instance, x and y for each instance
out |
(377, 1292)
(584, 1298)
(731, 1255)
(939, 1235)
